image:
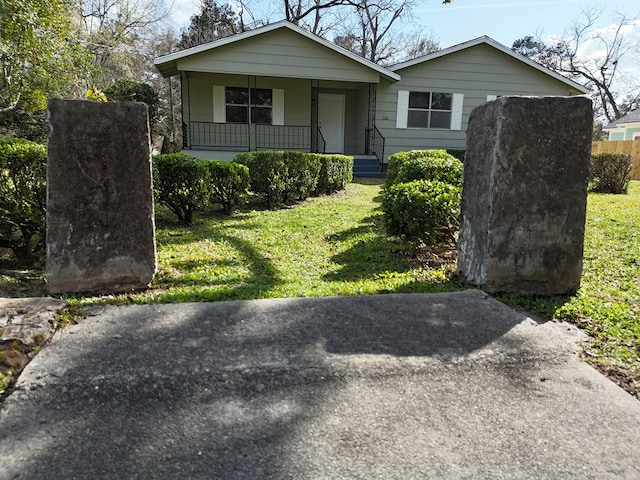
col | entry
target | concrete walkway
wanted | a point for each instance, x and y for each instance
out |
(444, 386)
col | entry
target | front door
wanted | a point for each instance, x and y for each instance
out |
(331, 121)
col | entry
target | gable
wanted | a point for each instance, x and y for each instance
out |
(483, 69)
(277, 50)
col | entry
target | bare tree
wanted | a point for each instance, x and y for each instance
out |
(593, 56)
(113, 30)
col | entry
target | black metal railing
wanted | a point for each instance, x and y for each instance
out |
(220, 135)
(375, 144)
(240, 136)
(283, 137)
(185, 136)
(321, 144)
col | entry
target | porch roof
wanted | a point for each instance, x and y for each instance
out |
(173, 63)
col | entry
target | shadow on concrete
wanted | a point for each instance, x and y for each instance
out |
(232, 390)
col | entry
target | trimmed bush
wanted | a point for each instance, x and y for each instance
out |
(610, 172)
(228, 182)
(336, 171)
(23, 177)
(291, 176)
(423, 210)
(443, 168)
(302, 175)
(396, 161)
(268, 174)
(181, 183)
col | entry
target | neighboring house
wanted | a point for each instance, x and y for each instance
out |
(625, 128)
(281, 87)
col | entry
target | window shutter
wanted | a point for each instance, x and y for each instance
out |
(456, 111)
(491, 97)
(278, 106)
(403, 109)
(219, 104)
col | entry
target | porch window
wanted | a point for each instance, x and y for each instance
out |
(241, 102)
(431, 110)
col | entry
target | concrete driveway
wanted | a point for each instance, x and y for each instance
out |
(442, 386)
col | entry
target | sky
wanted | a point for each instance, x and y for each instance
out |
(461, 20)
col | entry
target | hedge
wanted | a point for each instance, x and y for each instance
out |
(398, 159)
(23, 176)
(423, 210)
(180, 183)
(227, 183)
(289, 176)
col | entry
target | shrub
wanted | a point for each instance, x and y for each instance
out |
(129, 90)
(423, 210)
(335, 172)
(610, 172)
(396, 161)
(443, 168)
(180, 183)
(267, 175)
(23, 176)
(228, 182)
(302, 175)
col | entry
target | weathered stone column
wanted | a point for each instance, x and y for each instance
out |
(100, 217)
(525, 194)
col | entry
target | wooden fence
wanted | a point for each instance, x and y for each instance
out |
(632, 147)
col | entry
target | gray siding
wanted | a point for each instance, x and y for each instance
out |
(474, 72)
(279, 53)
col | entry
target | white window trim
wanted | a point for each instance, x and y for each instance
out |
(402, 113)
(220, 106)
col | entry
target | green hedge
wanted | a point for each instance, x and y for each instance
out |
(610, 172)
(336, 171)
(227, 182)
(423, 210)
(446, 169)
(398, 159)
(289, 176)
(180, 183)
(422, 192)
(23, 176)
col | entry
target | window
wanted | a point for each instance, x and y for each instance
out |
(239, 101)
(431, 110)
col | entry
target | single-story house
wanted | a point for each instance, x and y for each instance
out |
(281, 87)
(625, 128)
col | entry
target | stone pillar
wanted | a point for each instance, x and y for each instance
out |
(100, 217)
(525, 194)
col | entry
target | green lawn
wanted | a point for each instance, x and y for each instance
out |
(326, 246)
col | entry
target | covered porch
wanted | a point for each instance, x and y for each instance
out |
(235, 113)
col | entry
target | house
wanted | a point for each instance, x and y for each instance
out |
(625, 128)
(281, 87)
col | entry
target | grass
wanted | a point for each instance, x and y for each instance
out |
(326, 246)
(337, 246)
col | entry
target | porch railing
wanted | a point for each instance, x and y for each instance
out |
(375, 144)
(320, 142)
(236, 136)
(219, 135)
(282, 137)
